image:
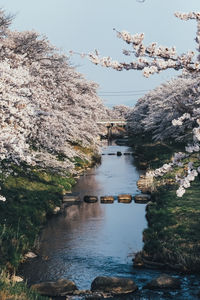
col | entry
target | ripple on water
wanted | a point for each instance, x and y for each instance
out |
(90, 240)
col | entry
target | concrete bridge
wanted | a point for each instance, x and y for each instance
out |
(110, 124)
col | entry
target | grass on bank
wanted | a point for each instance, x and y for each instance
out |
(31, 197)
(172, 237)
(152, 154)
(10, 290)
(32, 194)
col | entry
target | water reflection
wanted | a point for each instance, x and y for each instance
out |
(90, 240)
(94, 239)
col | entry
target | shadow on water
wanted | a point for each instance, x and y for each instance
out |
(90, 240)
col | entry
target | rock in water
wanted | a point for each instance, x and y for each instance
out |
(142, 198)
(124, 198)
(90, 199)
(113, 285)
(61, 287)
(71, 198)
(163, 282)
(119, 153)
(107, 199)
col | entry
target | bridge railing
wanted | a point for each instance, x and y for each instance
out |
(112, 121)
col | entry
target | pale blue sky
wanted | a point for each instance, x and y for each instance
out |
(85, 25)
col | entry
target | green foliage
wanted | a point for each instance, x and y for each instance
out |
(31, 196)
(17, 291)
(172, 237)
(155, 154)
(173, 233)
(80, 163)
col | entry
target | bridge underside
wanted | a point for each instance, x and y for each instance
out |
(112, 123)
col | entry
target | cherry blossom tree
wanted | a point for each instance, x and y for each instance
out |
(152, 58)
(119, 112)
(45, 104)
(172, 110)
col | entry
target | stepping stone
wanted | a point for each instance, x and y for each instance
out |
(107, 199)
(113, 285)
(163, 282)
(71, 198)
(142, 198)
(61, 287)
(125, 198)
(90, 199)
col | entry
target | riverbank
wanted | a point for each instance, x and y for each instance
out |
(93, 239)
(171, 240)
(32, 195)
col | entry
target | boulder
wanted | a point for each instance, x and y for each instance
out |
(71, 198)
(145, 183)
(90, 199)
(56, 210)
(96, 296)
(125, 198)
(17, 278)
(163, 282)
(142, 198)
(61, 287)
(107, 199)
(113, 285)
(30, 255)
(82, 292)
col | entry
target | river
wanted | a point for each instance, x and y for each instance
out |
(90, 240)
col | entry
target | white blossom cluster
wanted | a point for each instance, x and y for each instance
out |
(46, 107)
(196, 133)
(184, 183)
(180, 120)
(178, 156)
(154, 114)
(152, 58)
(174, 102)
(136, 39)
(188, 16)
(176, 161)
(118, 112)
(170, 111)
(190, 148)
(160, 171)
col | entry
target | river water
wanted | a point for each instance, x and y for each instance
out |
(90, 240)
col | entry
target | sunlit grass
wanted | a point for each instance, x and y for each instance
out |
(172, 237)
(10, 290)
(31, 197)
